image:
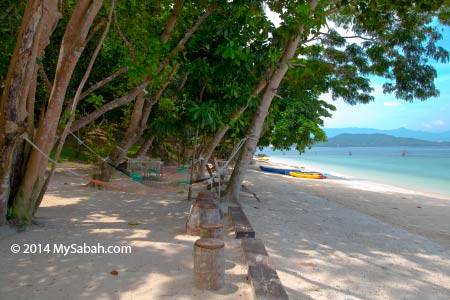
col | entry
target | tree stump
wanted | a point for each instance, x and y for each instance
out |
(214, 231)
(207, 196)
(210, 197)
(209, 264)
(201, 213)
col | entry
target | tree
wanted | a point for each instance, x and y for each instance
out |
(397, 39)
(26, 176)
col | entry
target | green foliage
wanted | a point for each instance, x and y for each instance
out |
(204, 114)
(102, 139)
(235, 48)
(96, 101)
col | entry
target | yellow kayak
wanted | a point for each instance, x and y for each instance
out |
(307, 175)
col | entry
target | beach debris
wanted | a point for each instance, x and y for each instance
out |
(418, 206)
(133, 223)
(114, 273)
(246, 190)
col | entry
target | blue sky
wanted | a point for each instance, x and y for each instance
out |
(387, 112)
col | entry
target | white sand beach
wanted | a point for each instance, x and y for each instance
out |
(159, 266)
(343, 239)
(327, 239)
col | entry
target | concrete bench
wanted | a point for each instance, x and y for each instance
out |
(264, 279)
(242, 226)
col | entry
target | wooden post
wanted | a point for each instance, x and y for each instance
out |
(214, 231)
(209, 264)
(201, 213)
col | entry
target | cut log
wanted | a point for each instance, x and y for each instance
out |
(209, 264)
(214, 231)
(201, 213)
(207, 196)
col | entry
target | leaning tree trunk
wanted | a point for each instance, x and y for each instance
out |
(255, 129)
(17, 101)
(135, 131)
(256, 126)
(146, 146)
(72, 46)
(207, 152)
(120, 152)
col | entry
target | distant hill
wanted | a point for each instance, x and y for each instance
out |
(377, 140)
(400, 132)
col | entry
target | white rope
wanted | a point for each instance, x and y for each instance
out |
(25, 137)
(234, 152)
(89, 148)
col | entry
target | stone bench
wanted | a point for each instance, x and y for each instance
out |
(264, 279)
(242, 226)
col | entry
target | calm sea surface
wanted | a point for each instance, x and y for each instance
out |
(425, 169)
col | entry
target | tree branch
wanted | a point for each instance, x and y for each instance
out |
(348, 37)
(109, 106)
(102, 82)
(186, 37)
(172, 21)
(47, 83)
(124, 38)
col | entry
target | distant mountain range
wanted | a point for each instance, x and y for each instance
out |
(400, 132)
(377, 140)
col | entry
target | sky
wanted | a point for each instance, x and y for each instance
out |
(387, 112)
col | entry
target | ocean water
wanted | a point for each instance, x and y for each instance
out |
(423, 169)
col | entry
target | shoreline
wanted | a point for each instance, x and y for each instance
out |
(328, 240)
(355, 180)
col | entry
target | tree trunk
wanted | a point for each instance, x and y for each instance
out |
(16, 106)
(74, 104)
(146, 146)
(72, 46)
(255, 129)
(136, 128)
(207, 152)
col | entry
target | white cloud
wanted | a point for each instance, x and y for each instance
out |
(436, 124)
(392, 103)
(439, 123)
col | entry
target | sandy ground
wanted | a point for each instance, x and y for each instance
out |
(347, 240)
(159, 266)
(328, 239)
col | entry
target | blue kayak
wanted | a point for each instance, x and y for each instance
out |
(278, 170)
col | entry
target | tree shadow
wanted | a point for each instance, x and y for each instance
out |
(152, 226)
(322, 250)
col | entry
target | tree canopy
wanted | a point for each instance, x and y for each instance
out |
(220, 70)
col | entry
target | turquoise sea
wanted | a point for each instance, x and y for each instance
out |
(423, 169)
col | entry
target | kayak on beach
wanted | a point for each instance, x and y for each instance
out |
(278, 170)
(262, 157)
(307, 175)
